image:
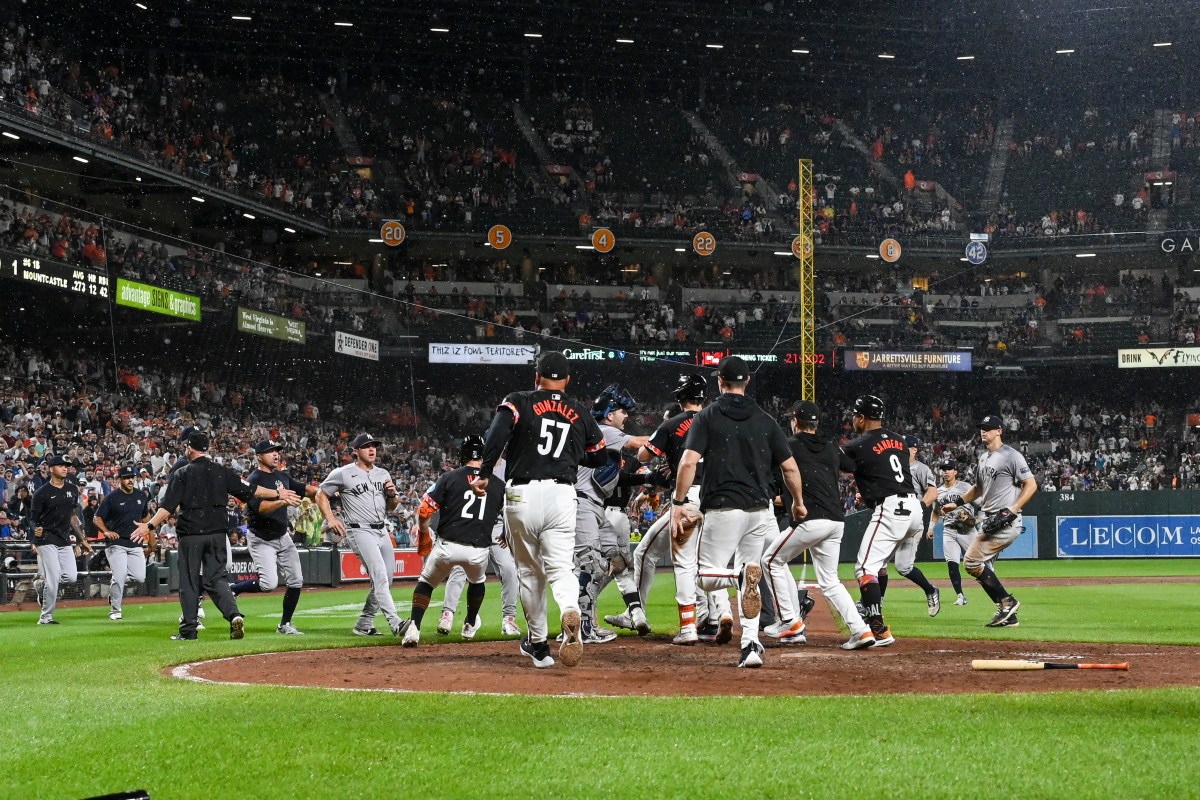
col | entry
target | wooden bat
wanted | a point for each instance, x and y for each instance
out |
(1009, 664)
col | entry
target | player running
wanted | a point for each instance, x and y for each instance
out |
(959, 527)
(925, 487)
(118, 515)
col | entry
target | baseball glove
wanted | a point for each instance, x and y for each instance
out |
(998, 521)
(963, 519)
(691, 520)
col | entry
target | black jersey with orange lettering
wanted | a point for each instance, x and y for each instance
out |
(879, 461)
(551, 434)
(465, 517)
(668, 440)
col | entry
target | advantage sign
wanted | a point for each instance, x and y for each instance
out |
(272, 326)
(158, 300)
(392, 232)
(357, 346)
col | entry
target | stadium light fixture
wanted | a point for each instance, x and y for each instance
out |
(80, 159)
(533, 36)
(680, 249)
(142, 6)
(715, 46)
(966, 58)
(886, 55)
(137, 178)
(584, 247)
(248, 215)
(1085, 255)
(783, 253)
(241, 17)
(800, 51)
(440, 30)
(873, 256)
(290, 230)
(375, 241)
(198, 199)
(1065, 51)
(624, 41)
(343, 24)
(1162, 44)
(11, 135)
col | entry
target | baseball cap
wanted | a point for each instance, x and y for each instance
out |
(912, 440)
(991, 422)
(198, 442)
(187, 432)
(266, 446)
(364, 440)
(946, 464)
(805, 411)
(56, 461)
(553, 365)
(127, 472)
(732, 368)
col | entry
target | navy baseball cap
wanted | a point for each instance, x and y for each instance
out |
(991, 422)
(126, 472)
(732, 368)
(947, 464)
(912, 440)
(56, 461)
(187, 432)
(266, 446)
(364, 440)
(805, 411)
(198, 442)
(553, 365)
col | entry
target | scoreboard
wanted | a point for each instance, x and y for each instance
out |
(56, 275)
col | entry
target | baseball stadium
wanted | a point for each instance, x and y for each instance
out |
(542, 399)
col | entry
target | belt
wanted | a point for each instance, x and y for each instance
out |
(880, 500)
(589, 498)
(523, 481)
(378, 526)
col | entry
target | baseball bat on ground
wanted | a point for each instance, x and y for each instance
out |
(1010, 664)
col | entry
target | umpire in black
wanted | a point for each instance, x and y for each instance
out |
(198, 493)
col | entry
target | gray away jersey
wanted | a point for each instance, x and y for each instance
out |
(1000, 475)
(614, 440)
(922, 477)
(958, 490)
(363, 502)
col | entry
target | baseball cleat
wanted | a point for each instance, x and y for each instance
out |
(237, 627)
(787, 630)
(179, 637)
(709, 630)
(539, 652)
(806, 606)
(622, 620)
(115, 616)
(595, 635)
(509, 626)
(1011, 622)
(200, 610)
(288, 629)
(367, 631)
(686, 636)
(445, 623)
(47, 621)
(640, 623)
(570, 652)
(412, 636)
(860, 642)
(751, 600)
(724, 629)
(935, 602)
(400, 627)
(199, 625)
(1004, 609)
(961, 600)
(883, 637)
(469, 630)
(751, 657)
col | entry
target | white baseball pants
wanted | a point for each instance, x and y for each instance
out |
(125, 563)
(737, 535)
(540, 517)
(822, 538)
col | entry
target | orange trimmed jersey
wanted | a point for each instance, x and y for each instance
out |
(551, 435)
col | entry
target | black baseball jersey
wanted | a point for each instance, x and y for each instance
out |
(668, 442)
(274, 524)
(198, 493)
(817, 460)
(551, 434)
(52, 510)
(633, 476)
(879, 461)
(742, 446)
(122, 512)
(463, 516)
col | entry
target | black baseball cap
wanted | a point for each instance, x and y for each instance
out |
(266, 446)
(553, 365)
(364, 440)
(805, 411)
(912, 440)
(127, 472)
(991, 422)
(947, 464)
(56, 461)
(198, 442)
(732, 368)
(187, 432)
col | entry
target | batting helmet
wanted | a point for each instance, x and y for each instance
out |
(613, 397)
(472, 448)
(691, 388)
(869, 406)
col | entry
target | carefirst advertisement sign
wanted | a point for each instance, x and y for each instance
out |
(1141, 536)
(898, 361)
(1158, 357)
(158, 300)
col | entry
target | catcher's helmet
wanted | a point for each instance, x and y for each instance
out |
(472, 448)
(613, 397)
(691, 388)
(869, 406)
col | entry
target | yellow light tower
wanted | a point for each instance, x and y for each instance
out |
(802, 247)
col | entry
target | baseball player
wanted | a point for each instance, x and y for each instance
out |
(667, 442)
(633, 475)
(272, 549)
(55, 515)
(118, 514)
(959, 527)
(368, 494)
(820, 533)
(501, 561)
(879, 459)
(599, 550)
(464, 534)
(741, 446)
(1005, 486)
(549, 436)
(925, 486)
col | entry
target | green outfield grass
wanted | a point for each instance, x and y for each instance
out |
(86, 711)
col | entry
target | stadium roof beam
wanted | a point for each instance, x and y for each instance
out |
(81, 146)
